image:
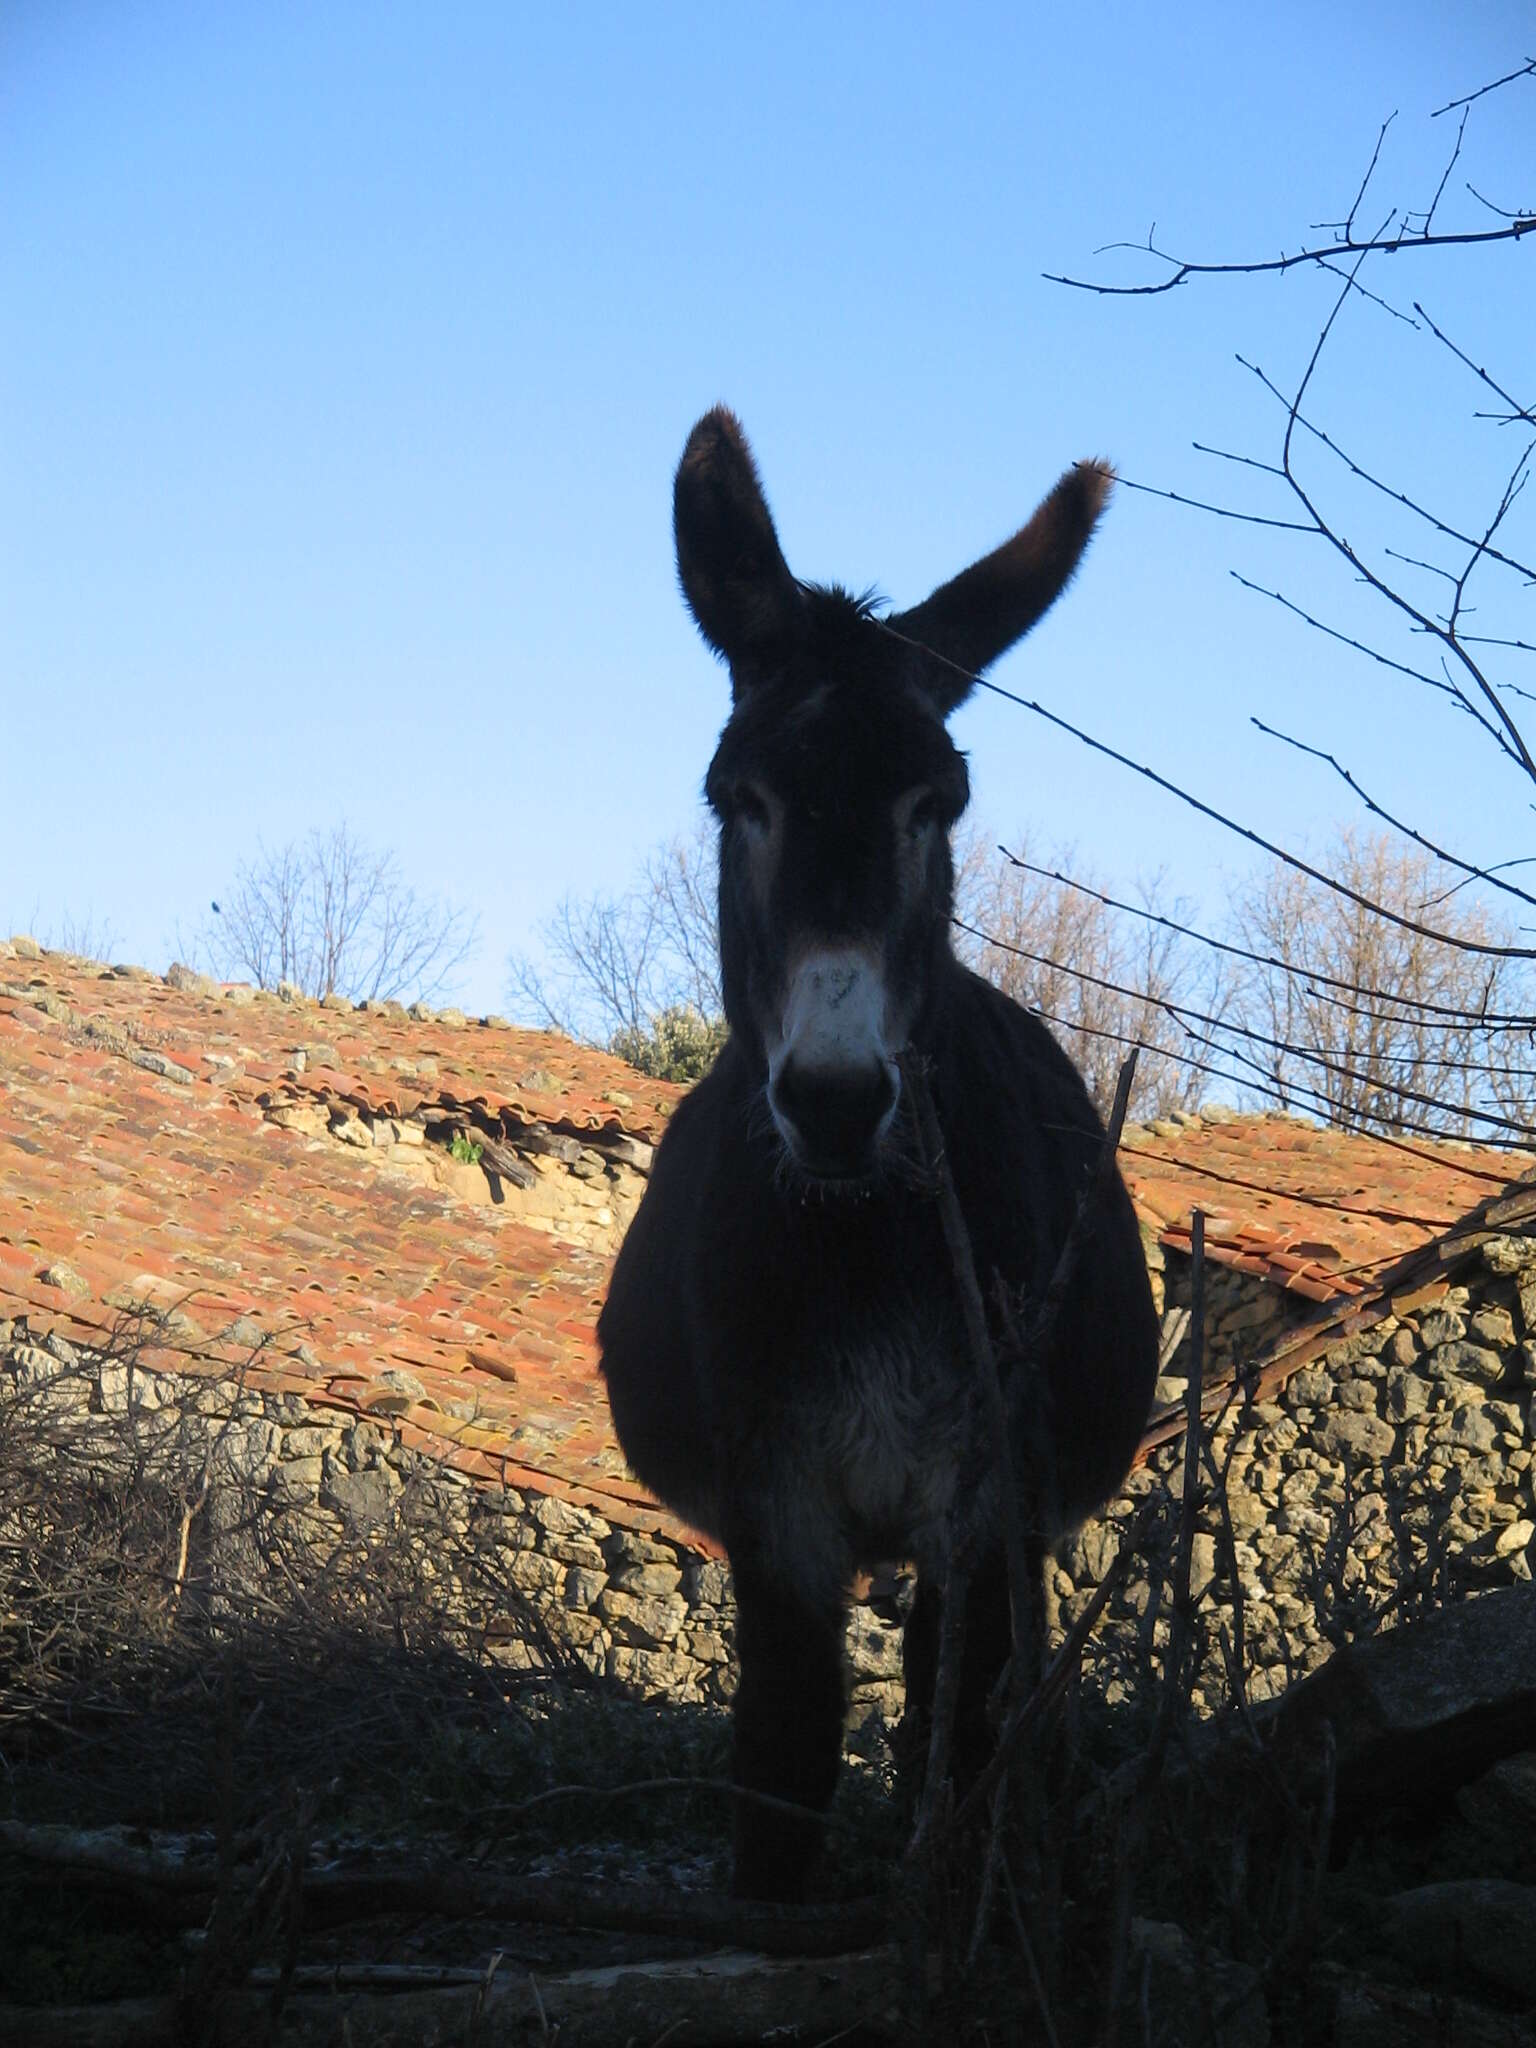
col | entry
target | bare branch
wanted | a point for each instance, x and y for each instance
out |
(1198, 804)
(1517, 411)
(1467, 868)
(1526, 70)
(1407, 999)
(1184, 268)
(1365, 476)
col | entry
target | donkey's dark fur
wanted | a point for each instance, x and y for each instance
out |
(783, 1341)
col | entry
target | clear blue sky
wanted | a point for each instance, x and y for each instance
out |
(346, 351)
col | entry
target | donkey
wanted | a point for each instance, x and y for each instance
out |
(783, 1339)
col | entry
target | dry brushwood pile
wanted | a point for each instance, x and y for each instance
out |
(264, 1789)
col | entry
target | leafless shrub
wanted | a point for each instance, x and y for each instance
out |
(331, 915)
(148, 1548)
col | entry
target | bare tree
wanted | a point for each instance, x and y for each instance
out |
(332, 916)
(614, 964)
(1380, 986)
(1103, 979)
(1370, 1021)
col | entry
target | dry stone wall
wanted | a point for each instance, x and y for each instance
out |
(1391, 1472)
(304, 1497)
(1395, 1470)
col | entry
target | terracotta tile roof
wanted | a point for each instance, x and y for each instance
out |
(1321, 1213)
(140, 1165)
(149, 1155)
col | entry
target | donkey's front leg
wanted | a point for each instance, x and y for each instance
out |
(789, 1729)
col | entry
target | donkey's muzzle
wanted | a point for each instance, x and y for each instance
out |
(833, 1118)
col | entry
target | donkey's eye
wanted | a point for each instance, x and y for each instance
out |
(749, 803)
(923, 813)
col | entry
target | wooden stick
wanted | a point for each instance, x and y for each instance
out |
(1060, 1669)
(1179, 1621)
(334, 1897)
(957, 1238)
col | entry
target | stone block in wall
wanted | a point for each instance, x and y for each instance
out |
(706, 1582)
(1441, 1326)
(583, 1585)
(1475, 1427)
(1357, 1394)
(1402, 1347)
(122, 1388)
(1309, 1388)
(653, 1672)
(1351, 1355)
(362, 1499)
(1506, 1255)
(1408, 1394)
(535, 1574)
(306, 1441)
(1280, 1435)
(1492, 1325)
(296, 1479)
(1364, 1438)
(1455, 1359)
(648, 1623)
(1093, 1549)
(706, 1645)
(365, 1444)
(51, 1389)
(584, 1551)
(244, 1449)
(575, 1630)
(872, 1647)
(1247, 1510)
(562, 1518)
(649, 1579)
(632, 1546)
(1263, 1313)
(1300, 1519)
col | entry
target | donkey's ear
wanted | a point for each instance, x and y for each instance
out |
(971, 620)
(732, 570)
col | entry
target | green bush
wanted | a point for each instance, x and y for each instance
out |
(679, 1044)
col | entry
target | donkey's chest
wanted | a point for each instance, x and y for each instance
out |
(885, 1436)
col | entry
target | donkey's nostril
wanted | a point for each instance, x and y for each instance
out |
(833, 1117)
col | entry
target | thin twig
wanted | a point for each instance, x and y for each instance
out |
(1183, 268)
(1174, 1692)
(1016, 1530)
(1057, 1673)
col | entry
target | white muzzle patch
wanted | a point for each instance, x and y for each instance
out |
(834, 1025)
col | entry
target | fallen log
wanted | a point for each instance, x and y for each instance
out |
(727, 1998)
